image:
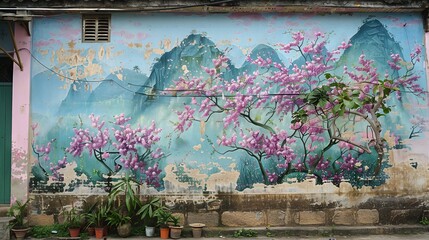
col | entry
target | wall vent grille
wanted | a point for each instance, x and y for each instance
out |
(96, 28)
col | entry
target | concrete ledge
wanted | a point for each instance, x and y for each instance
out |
(300, 231)
(5, 219)
(315, 230)
(3, 210)
(4, 228)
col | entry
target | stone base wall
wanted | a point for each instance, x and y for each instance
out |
(239, 210)
(4, 229)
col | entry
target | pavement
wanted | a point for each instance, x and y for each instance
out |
(381, 232)
(397, 232)
(419, 236)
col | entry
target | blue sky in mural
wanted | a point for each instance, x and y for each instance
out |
(236, 32)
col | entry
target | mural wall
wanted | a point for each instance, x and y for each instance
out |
(228, 103)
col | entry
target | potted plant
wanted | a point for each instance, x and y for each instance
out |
(89, 225)
(125, 186)
(175, 229)
(98, 219)
(122, 223)
(164, 218)
(91, 220)
(18, 211)
(197, 229)
(73, 220)
(148, 213)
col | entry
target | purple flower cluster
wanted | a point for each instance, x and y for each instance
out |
(186, 118)
(322, 106)
(350, 163)
(43, 151)
(135, 147)
(272, 177)
(56, 167)
(152, 176)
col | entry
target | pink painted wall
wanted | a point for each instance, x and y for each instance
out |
(21, 117)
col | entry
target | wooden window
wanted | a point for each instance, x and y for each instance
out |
(96, 28)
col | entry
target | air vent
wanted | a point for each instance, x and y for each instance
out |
(96, 28)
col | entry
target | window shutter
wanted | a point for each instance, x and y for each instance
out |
(96, 28)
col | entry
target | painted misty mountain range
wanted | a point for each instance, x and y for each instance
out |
(195, 51)
(130, 91)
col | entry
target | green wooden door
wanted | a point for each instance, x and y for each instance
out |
(5, 140)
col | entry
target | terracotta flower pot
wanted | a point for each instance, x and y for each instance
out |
(197, 232)
(20, 232)
(124, 230)
(105, 230)
(74, 232)
(175, 231)
(99, 232)
(164, 232)
(91, 231)
(197, 229)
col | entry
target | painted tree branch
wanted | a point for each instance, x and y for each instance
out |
(306, 117)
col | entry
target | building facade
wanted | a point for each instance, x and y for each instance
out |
(171, 95)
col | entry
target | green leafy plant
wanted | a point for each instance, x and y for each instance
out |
(148, 211)
(245, 233)
(175, 221)
(18, 211)
(269, 233)
(61, 230)
(73, 219)
(137, 231)
(164, 216)
(424, 221)
(125, 187)
(116, 219)
(98, 218)
(87, 210)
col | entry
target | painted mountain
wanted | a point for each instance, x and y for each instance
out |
(76, 99)
(53, 86)
(375, 42)
(47, 99)
(117, 90)
(263, 51)
(129, 91)
(193, 52)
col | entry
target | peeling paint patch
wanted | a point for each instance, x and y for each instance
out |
(223, 181)
(197, 147)
(19, 165)
(43, 52)
(185, 69)
(101, 53)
